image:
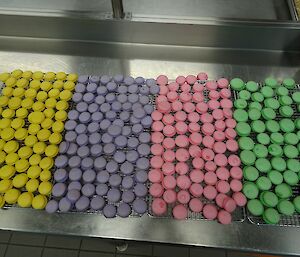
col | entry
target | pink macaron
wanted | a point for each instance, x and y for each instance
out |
(219, 135)
(155, 176)
(230, 133)
(182, 155)
(193, 117)
(219, 147)
(156, 162)
(195, 138)
(196, 190)
(157, 149)
(201, 107)
(229, 204)
(195, 205)
(224, 217)
(236, 173)
(168, 143)
(156, 115)
(156, 190)
(169, 182)
(210, 166)
(210, 211)
(218, 114)
(220, 199)
(169, 131)
(183, 196)
(159, 206)
(164, 107)
(210, 192)
(213, 104)
(225, 93)
(222, 83)
(183, 182)
(182, 141)
(220, 125)
(226, 103)
(223, 186)
(198, 87)
(189, 107)
(191, 79)
(198, 97)
(180, 212)
(157, 126)
(234, 160)
(180, 80)
(176, 106)
(236, 185)
(180, 116)
(168, 168)
(168, 119)
(239, 198)
(206, 118)
(211, 85)
(208, 141)
(202, 76)
(222, 173)
(221, 160)
(232, 145)
(185, 97)
(196, 176)
(172, 96)
(195, 151)
(162, 80)
(198, 163)
(163, 90)
(161, 98)
(170, 196)
(230, 123)
(185, 87)
(227, 113)
(207, 129)
(214, 95)
(210, 178)
(173, 86)
(208, 154)
(181, 168)
(157, 137)
(193, 127)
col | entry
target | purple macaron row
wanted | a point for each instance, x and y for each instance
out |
(103, 162)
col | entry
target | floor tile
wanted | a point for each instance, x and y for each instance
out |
(23, 251)
(168, 250)
(206, 252)
(98, 244)
(22, 238)
(96, 254)
(137, 248)
(53, 252)
(68, 242)
(2, 249)
(4, 236)
(244, 254)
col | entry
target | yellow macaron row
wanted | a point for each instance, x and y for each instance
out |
(33, 109)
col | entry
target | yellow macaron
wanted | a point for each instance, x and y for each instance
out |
(57, 127)
(72, 77)
(33, 129)
(22, 113)
(21, 133)
(45, 188)
(22, 165)
(35, 159)
(25, 199)
(46, 163)
(11, 195)
(7, 171)
(27, 103)
(32, 185)
(55, 138)
(25, 152)
(51, 150)
(20, 180)
(36, 117)
(38, 75)
(27, 74)
(49, 76)
(39, 147)
(34, 171)
(39, 202)
(30, 140)
(61, 75)
(62, 105)
(11, 158)
(35, 84)
(45, 175)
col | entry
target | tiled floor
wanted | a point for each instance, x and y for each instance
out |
(19, 244)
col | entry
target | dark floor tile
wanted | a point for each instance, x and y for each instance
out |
(96, 254)
(4, 236)
(98, 244)
(245, 254)
(68, 242)
(52, 252)
(168, 250)
(22, 238)
(2, 249)
(206, 252)
(137, 248)
(23, 251)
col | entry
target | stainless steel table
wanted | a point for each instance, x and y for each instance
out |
(85, 44)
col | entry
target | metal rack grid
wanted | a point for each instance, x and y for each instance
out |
(238, 215)
(285, 220)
